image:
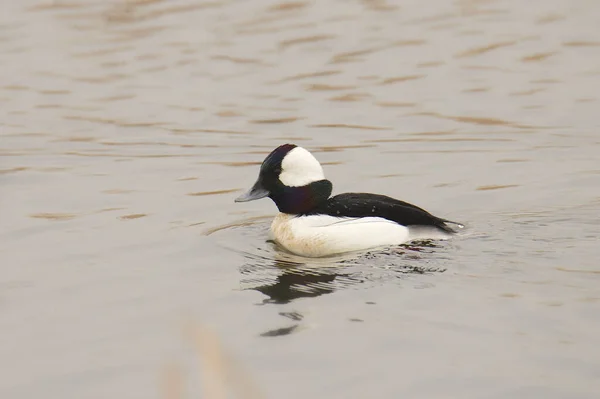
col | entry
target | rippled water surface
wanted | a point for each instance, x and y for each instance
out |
(128, 128)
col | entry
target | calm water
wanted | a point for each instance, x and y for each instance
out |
(128, 128)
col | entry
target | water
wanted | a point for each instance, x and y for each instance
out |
(128, 128)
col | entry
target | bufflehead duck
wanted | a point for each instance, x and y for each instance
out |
(310, 223)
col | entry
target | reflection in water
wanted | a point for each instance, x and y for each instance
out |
(284, 280)
(291, 285)
(280, 331)
(294, 280)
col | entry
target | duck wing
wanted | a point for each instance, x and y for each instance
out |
(376, 205)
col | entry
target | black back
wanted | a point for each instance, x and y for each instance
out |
(375, 205)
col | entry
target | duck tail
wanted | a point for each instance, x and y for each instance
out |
(444, 222)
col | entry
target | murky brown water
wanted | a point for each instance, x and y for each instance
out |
(128, 128)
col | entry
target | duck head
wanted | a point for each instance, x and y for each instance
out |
(293, 178)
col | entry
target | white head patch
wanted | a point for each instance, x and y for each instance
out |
(299, 168)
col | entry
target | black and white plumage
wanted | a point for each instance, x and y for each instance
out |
(313, 224)
(365, 204)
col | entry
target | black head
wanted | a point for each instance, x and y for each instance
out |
(293, 178)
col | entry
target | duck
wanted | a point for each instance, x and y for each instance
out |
(311, 223)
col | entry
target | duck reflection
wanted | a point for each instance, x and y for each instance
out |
(285, 281)
(282, 278)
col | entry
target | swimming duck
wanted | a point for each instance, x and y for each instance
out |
(310, 223)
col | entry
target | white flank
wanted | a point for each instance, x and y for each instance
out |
(299, 168)
(323, 235)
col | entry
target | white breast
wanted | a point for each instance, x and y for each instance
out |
(323, 235)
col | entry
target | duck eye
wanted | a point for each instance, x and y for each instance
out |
(277, 171)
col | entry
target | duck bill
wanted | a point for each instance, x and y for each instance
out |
(256, 192)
